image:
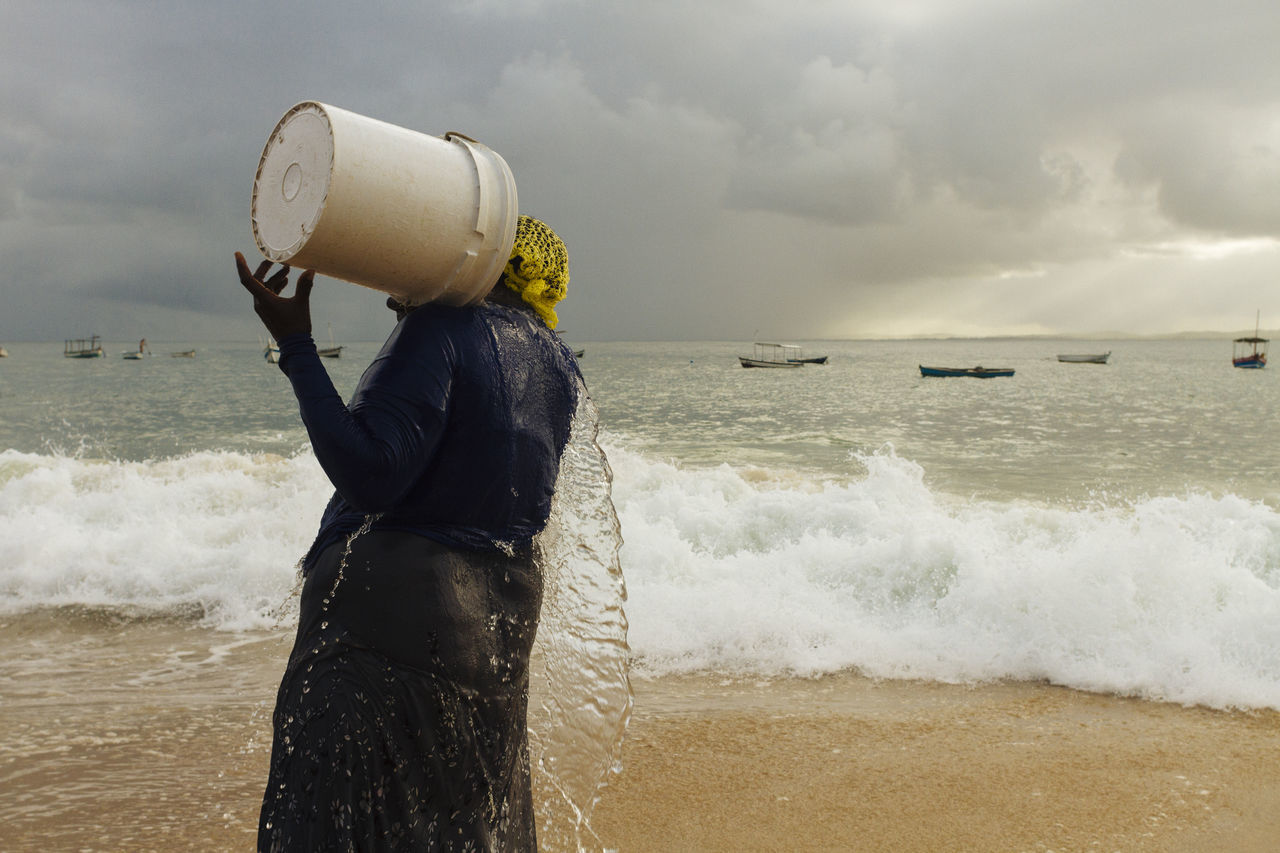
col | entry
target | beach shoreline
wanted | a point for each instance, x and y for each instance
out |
(849, 763)
(153, 735)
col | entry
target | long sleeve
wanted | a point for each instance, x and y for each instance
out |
(374, 450)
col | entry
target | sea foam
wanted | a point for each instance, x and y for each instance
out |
(217, 532)
(748, 571)
(733, 569)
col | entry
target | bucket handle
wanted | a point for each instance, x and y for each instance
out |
(474, 148)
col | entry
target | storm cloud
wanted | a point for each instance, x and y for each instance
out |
(804, 169)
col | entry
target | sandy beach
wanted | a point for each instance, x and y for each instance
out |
(846, 763)
(153, 736)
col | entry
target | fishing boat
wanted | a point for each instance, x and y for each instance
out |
(979, 372)
(186, 353)
(772, 355)
(1250, 352)
(81, 348)
(1085, 358)
(331, 351)
(808, 359)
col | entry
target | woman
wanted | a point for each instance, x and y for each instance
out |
(401, 718)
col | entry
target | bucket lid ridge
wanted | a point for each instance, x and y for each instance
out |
(291, 184)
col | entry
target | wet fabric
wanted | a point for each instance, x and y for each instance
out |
(400, 721)
(454, 431)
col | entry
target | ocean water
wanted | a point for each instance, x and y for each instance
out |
(1111, 528)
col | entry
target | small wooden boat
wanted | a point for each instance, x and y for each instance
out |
(772, 355)
(188, 353)
(1085, 358)
(807, 359)
(331, 351)
(4, 353)
(81, 348)
(979, 372)
(1250, 352)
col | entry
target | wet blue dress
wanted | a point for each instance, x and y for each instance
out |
(400, 723)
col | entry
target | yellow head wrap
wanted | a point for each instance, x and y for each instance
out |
(539, 268)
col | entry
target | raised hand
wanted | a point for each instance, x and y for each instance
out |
(282, 315)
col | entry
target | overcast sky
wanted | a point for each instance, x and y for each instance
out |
(720, 169)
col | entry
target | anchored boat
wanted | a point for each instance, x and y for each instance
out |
(332, 350)
(772, 355)
(1250, 352)
(979, 372)
(81, 348)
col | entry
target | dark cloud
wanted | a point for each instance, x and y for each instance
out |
(716, 167)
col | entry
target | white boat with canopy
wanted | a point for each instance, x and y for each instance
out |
(772, 355)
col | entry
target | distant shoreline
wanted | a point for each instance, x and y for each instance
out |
(1082, 336)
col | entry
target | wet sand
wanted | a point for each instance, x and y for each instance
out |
(845, 763)
(153, 736)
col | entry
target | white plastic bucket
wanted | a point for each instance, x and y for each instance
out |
(423, 218)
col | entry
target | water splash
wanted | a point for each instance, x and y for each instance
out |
(581, 686)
